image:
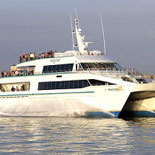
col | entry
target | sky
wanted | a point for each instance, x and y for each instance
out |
(41, 25)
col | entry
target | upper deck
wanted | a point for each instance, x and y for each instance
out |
(37, 63)
(92, 56)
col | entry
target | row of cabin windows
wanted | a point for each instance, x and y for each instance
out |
(70, 84)
(82, 66)
(101, 66)
(58, 68)
(63, 85)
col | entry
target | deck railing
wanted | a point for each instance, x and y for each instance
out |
(43, 56)
(110, 73)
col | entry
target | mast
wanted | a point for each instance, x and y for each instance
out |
(77, 34)
(81, 45)
(72, 32)
(76, 13)
(103, 34)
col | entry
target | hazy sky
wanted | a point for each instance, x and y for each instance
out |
(40, 25)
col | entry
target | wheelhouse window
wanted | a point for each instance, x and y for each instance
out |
(126, 79)
(63, 85)
(58, 68)
(101, 66)
(94, 82)
(140, 80)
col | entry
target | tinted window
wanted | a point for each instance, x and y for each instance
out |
(97, 82)
(63, 85)
(57, 68)
(141, 80)
(101, 66)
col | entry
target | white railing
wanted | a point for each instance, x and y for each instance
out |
(109, 73)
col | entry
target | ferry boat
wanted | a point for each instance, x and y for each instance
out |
(73, 84)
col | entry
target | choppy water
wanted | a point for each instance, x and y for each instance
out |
(52, 135)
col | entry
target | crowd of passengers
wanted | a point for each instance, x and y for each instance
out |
(34, 55)
(22, 87)
(17, 73)
(16, 88)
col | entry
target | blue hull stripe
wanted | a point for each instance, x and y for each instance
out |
(123, 114)
(102, 114)
(84, 92)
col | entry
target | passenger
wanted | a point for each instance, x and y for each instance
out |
(44, 55)
(5, 74)
(24, 72)
(22, 88)
(20, 72)
(49, 54)
(40, 56)
(16, 73)
(13, 88)
(52, 54)
(9, 73)
(23, 57)
(31, 56)
(35, 55)
(32, 72)
(13, 73)
(2, 74)
(26, 57)
(17, 89)
(20, 58)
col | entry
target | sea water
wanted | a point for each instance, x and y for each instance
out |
(54, 135)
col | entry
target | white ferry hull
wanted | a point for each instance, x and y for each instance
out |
(102, 102)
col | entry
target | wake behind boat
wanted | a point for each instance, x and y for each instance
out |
(73, 83)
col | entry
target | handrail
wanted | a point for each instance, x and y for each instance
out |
(54, 55)
(103, 72)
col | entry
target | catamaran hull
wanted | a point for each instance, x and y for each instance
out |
(141, 102)
(140, 108)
